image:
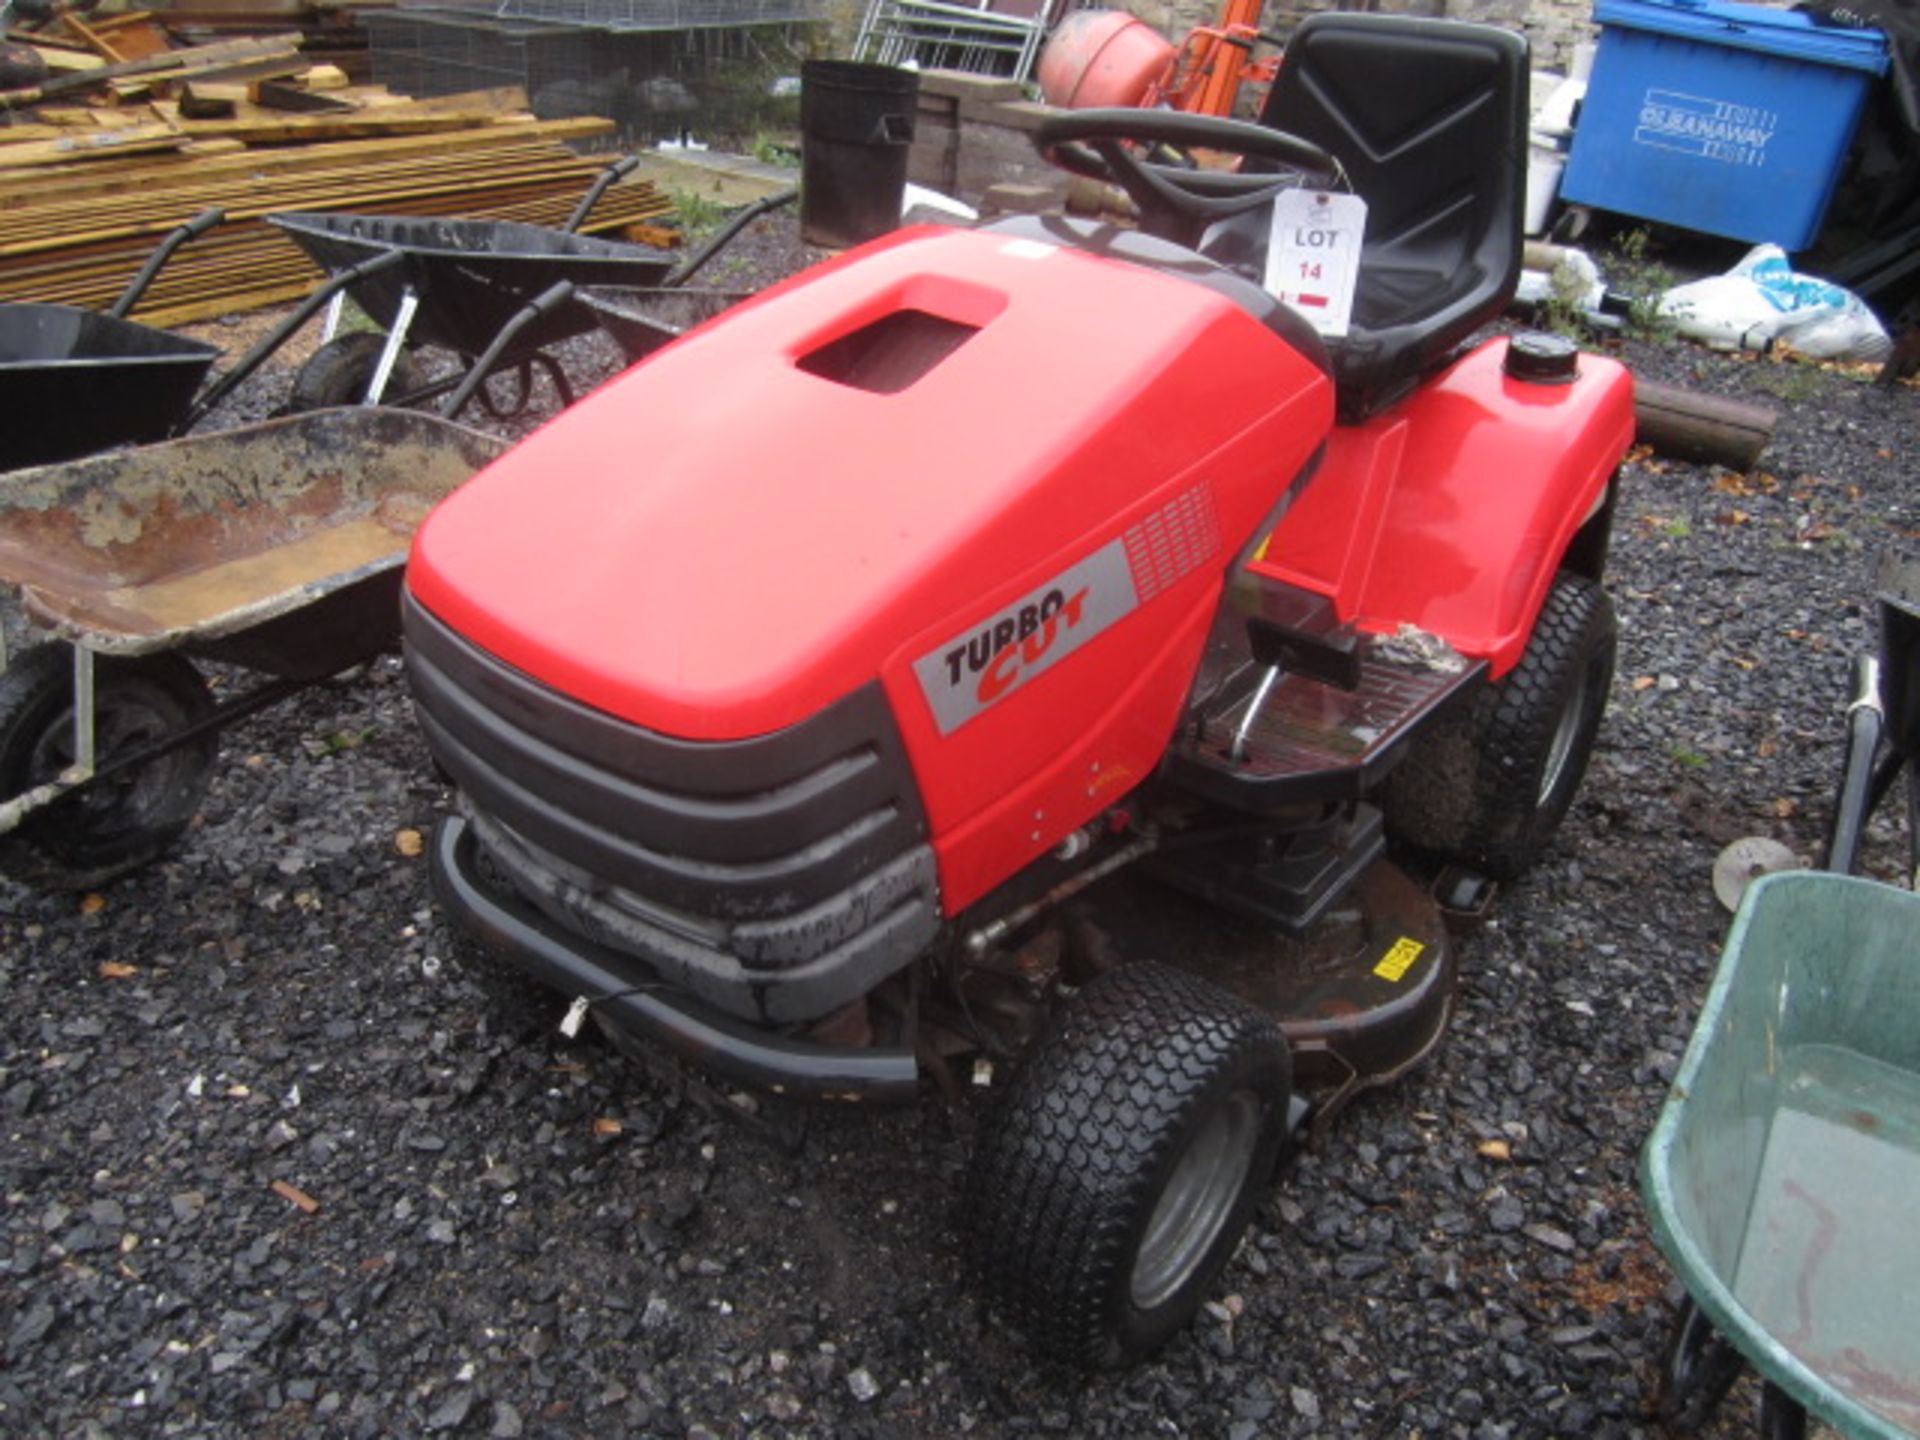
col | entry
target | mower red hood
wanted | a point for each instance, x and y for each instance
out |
(751, 524)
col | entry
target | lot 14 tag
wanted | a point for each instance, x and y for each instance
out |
(1313, 255)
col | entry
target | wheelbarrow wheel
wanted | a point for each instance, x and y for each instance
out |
(1115, 1177)
(1698, 1371)
(339, 372)
(1487, 786)
(122, 820)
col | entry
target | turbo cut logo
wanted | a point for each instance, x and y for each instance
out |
(983, 665)
(999, 648)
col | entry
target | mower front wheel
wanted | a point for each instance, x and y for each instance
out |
(1117, 1174)
(1488, 786)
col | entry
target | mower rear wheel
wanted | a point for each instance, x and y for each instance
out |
(340, 371)
(1115, 1178)
(1488, 786)
(122, 820)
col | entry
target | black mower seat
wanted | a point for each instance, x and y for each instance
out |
(1429, 120)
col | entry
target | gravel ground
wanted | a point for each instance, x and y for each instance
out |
(274, 1166)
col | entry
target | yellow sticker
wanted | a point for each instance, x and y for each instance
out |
(1398, 959)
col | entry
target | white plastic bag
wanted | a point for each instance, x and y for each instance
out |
(1726, 312)
(1763, 299)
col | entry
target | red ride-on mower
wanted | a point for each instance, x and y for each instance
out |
(794, 680)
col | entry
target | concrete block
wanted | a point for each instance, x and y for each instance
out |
(1007, 198)
(975, 97)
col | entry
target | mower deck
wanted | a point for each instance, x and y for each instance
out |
(1362, 996)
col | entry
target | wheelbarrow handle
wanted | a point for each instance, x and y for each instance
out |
(278, 336)
(687, 268)
(1865, 722)
(545, 303)
(176, 237)
(620, 168)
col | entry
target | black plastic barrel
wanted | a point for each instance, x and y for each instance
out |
(856, 126)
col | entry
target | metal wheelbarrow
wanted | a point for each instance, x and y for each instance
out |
(74, 380)
(1781, 1175)
(277, 547)
(643, 319)
(453, 283)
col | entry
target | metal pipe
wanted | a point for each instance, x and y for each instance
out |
(1864, 724)
(84, 738)
(987, 936)
(336, 307)
(1237, 751)
(390, 352)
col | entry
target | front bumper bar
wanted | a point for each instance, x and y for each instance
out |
(721, 1045)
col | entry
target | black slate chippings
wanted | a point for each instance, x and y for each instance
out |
(508, 1234)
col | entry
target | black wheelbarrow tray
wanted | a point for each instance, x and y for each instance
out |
(278, 547)
(1782, 1174)
(641, 320)
(75, 380)
(457, 283)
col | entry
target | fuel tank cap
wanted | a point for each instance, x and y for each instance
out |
(1542, 359)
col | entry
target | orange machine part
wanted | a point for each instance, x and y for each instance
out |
(1101, 57)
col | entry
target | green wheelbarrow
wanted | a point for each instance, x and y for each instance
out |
(1783, 1175)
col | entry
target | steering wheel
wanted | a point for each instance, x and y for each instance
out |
(1177, 202)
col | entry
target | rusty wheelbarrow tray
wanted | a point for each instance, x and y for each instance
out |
(278, 547)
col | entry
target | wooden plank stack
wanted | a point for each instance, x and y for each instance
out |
(87, 190)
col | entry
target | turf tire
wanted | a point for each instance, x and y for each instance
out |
(1488, 785)
(1148, 1083)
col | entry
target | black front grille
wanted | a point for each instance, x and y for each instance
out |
(719, 831)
